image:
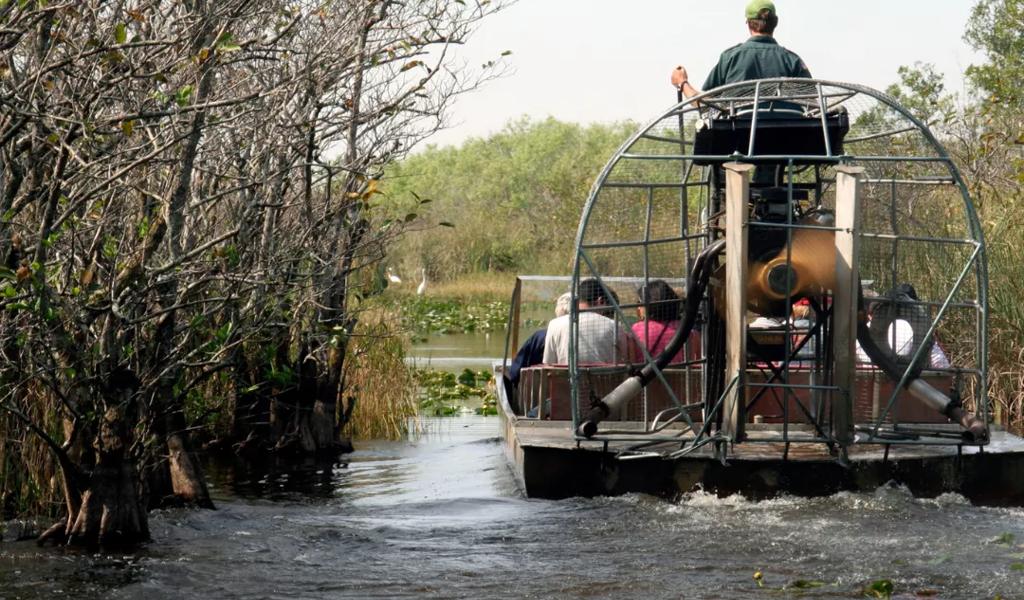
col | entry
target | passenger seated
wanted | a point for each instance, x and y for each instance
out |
(900, 333)
(659, 321)
(531, 352)
(601, 340)
(802, 317)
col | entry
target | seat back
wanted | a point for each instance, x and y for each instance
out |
(779, 133)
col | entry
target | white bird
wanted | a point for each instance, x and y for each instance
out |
(392, 277)
(423, 284)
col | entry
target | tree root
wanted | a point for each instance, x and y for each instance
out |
(57, 530)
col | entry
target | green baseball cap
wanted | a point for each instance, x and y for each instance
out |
(756, 6)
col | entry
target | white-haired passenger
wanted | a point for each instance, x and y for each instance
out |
(532, 351)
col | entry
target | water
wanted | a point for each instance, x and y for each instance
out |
(440, 517)
(454, 352)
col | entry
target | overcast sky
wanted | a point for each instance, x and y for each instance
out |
(607, 60)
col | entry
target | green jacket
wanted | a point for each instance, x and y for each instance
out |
(760, 57)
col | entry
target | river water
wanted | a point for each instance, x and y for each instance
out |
(439, 516)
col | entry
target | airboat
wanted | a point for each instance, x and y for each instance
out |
(827, 321)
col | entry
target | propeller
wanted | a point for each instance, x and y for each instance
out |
(807, 268)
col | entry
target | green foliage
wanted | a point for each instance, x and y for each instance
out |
(920, 90)
(1004, 538)
(380, 381)
(424, 315)
(881, 588)
(513, 200)
(444, 394)
(996, 27)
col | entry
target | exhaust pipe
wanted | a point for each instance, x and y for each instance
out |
(975, 429)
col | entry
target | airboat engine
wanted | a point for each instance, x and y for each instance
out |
(773, 193)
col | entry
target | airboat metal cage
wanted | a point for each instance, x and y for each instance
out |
(816, 148)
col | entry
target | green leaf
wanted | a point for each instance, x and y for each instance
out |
(1003, 538)
(226, 43)
(183, 95)
(446, 224)
(121, 33)
(1017, 566)
(882, 588)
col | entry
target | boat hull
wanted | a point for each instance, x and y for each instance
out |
(549, 463)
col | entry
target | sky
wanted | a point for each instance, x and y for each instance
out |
(609, 60)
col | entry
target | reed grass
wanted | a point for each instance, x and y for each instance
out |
(29, 485)
(477, 287)
(380, 381)
(1004, 238)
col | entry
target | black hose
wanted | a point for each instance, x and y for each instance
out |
(698, 282)
(700, 274)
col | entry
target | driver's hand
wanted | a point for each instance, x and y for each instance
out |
(679, 76)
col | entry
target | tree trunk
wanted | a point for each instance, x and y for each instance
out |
(187, 480)
(110, 510)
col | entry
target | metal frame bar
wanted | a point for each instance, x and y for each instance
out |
(816, 104)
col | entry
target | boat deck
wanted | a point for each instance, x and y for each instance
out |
(550, 463)
(759, 445)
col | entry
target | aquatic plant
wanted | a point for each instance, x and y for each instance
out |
(880, 588)
(425, 315)
(380, 382)
(443, 393)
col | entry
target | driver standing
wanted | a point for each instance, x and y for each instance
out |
(760, 57)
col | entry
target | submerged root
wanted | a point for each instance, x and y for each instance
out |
(110, 513)
(54, 534)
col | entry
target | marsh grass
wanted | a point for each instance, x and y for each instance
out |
(1006, 325)
(29, 485)
(480, 287)
(379, 379)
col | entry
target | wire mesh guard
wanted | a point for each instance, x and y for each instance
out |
(660, 203)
